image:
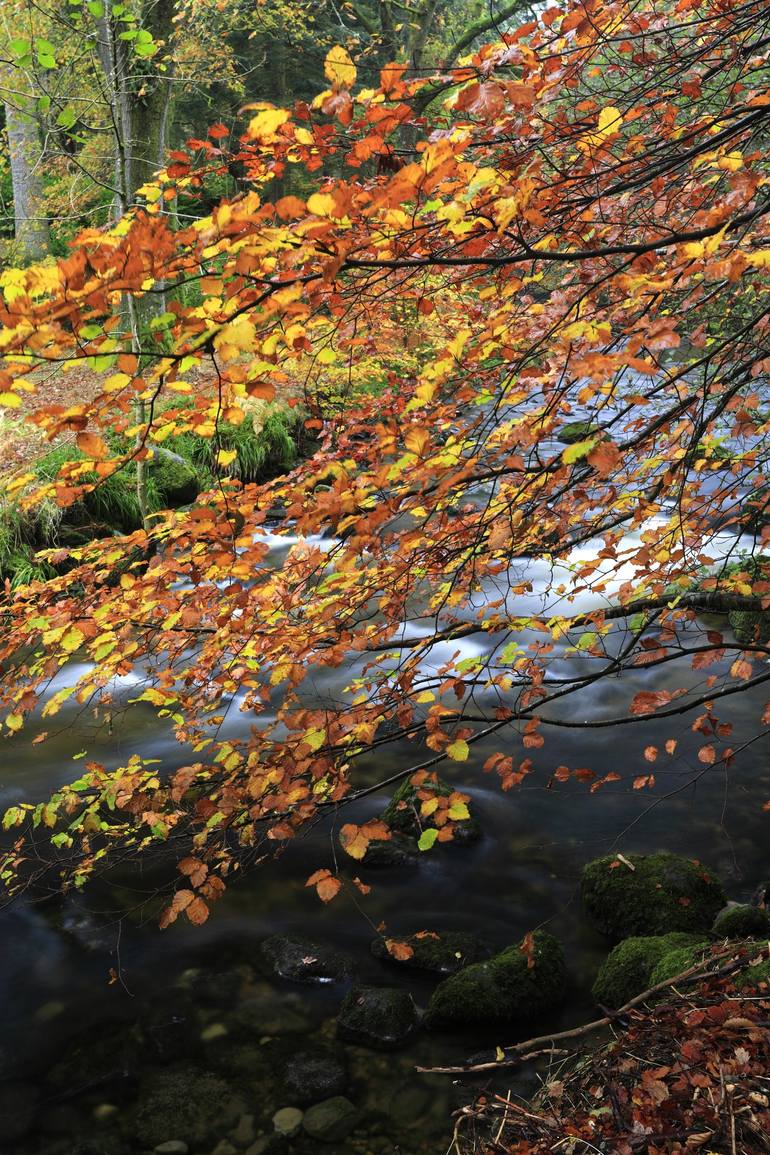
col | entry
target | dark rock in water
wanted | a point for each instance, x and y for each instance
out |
(221, 987)
(332, 1120)
(380, 1017)
(302, 961)
(18, 1110)
(628, 968)
(398, 852)
(656, 894)
(440, 954)
(186, 1104)
(504, 989)
(311, 1076)
(742, 922)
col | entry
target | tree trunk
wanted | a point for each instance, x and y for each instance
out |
(25, 153)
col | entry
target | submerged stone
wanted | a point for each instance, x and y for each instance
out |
(311, 1076)
(380, 1017)
(288, 1121)
(657, 894)
(301, 960)
(186, 1104)
(504, 989)
(627, 970)
(332, 1120)
(441, 954)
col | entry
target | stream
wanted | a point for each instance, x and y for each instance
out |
(99, 1005)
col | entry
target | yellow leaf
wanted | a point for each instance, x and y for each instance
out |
(263, 127)
(10, 400)
(458, 750)
(339, 69)
(327, 356)
(226, 456)
(314, 738)
(321, 205)
(14, 722)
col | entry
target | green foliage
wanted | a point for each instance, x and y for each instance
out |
(659, 893)
(262, 451)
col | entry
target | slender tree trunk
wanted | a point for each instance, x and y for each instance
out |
(25, 153)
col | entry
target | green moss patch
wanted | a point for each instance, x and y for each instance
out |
(504, 989)
(627, 970)
(657, 894)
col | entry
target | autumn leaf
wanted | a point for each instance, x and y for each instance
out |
(327, 886)
(339, 68)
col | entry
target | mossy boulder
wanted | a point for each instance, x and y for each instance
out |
(383, 1018)
(742, 922)
(440, 954)
(503, 989)
(656, 894)
(626, 971)
(176, 480)
(678, 960)
(750, 626)
(404, 813)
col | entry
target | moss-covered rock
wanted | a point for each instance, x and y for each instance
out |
(750, 626)
(657, 894)
(742, 922)
(504, 989)
(176, 480)
(626, 971)
(441, 954)
(678, 960)
(404, 812)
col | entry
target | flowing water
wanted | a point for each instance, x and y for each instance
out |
(76, 978)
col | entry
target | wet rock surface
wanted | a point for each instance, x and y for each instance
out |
(302, 960)
(379, 1017)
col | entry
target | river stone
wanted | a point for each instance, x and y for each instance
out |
(171, 1147)
(657, 894)
(332, 1120)
(504, 989)
(440, 954)
(302, 961)
(380, 1017)
(288, 1121)
(194, 1105)
(311, 1076)
(18, 1110)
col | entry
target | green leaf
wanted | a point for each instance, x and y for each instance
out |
(144, 37)
(91, 331)
(44, 103)
(145, 49)
(130, 35)
(45, 60)
(62, 840)
(20, 47)
(580, 449)
(427, 838)
(587, 641)
(96, 8)
(66, 118)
